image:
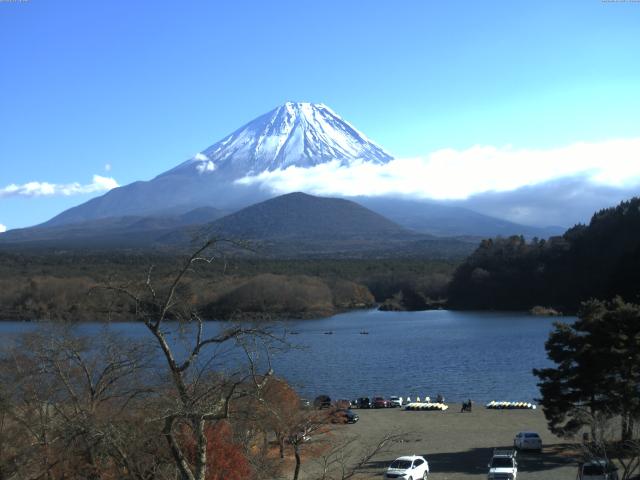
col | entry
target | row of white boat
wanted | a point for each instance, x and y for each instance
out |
(510, 405)
(426, 399)
(491, 405)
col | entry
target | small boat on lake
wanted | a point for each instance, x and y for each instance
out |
(364, 332)
(328, 333)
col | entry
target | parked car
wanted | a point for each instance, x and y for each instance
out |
(345, 415)
(409, 468)
(364, 402)
(395, 401)
(527, 441)
(503, 465)
(343, 404)
(379, 402)
(322, 401)
(597, 469)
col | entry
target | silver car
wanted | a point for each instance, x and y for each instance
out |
(527, 441)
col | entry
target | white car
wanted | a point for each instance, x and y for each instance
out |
(412, 467)
(503, 465)
(527, 441)
(395, 401)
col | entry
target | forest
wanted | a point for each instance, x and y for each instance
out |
(599, 260)
(47, 286)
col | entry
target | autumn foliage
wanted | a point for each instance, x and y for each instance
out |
(225, 457)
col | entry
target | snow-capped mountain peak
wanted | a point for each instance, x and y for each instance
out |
(295, 133)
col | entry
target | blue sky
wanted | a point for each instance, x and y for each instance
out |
(141, 86)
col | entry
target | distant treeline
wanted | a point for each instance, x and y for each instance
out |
(69, 286)
(599, 260)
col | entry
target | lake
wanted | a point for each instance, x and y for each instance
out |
(479, 355)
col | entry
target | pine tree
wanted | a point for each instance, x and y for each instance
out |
(597, 369)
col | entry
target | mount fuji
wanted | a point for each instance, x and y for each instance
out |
(293, 134)
(203, 189)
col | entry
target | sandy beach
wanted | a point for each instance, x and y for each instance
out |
(458, 446)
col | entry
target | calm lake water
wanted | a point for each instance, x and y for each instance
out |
(478, 355)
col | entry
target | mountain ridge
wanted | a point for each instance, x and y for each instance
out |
(294, 225)
(446, 220)
(298, 225)
(297, 134)
(294, 134)
(298, 214)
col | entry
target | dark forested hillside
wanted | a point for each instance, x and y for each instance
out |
(301, 226)
(294, 225)
(300, 215)
(599, 260)
(60, 286)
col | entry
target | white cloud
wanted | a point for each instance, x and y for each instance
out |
(39, 189)
(201, 157)
(458, 174)
(107, 167)
(3, 228)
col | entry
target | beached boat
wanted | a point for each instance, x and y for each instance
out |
(510, 405)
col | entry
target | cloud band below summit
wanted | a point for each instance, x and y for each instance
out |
(458, 174)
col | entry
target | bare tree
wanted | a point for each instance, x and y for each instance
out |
(203, 390)
(350, 455)
(67, 398)
(101, 407)
(303, 428)
(28, 436)
(605, 444)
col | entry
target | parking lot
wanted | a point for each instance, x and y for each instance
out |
(458, 446)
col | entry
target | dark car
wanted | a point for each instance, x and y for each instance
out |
(322, 401)
(345, 415)
(379, 402)
(597, 469)
(364, 402)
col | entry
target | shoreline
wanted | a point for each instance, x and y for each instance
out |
(286, 317)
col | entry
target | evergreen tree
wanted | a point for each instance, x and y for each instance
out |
(597, 368)
(600, 260)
